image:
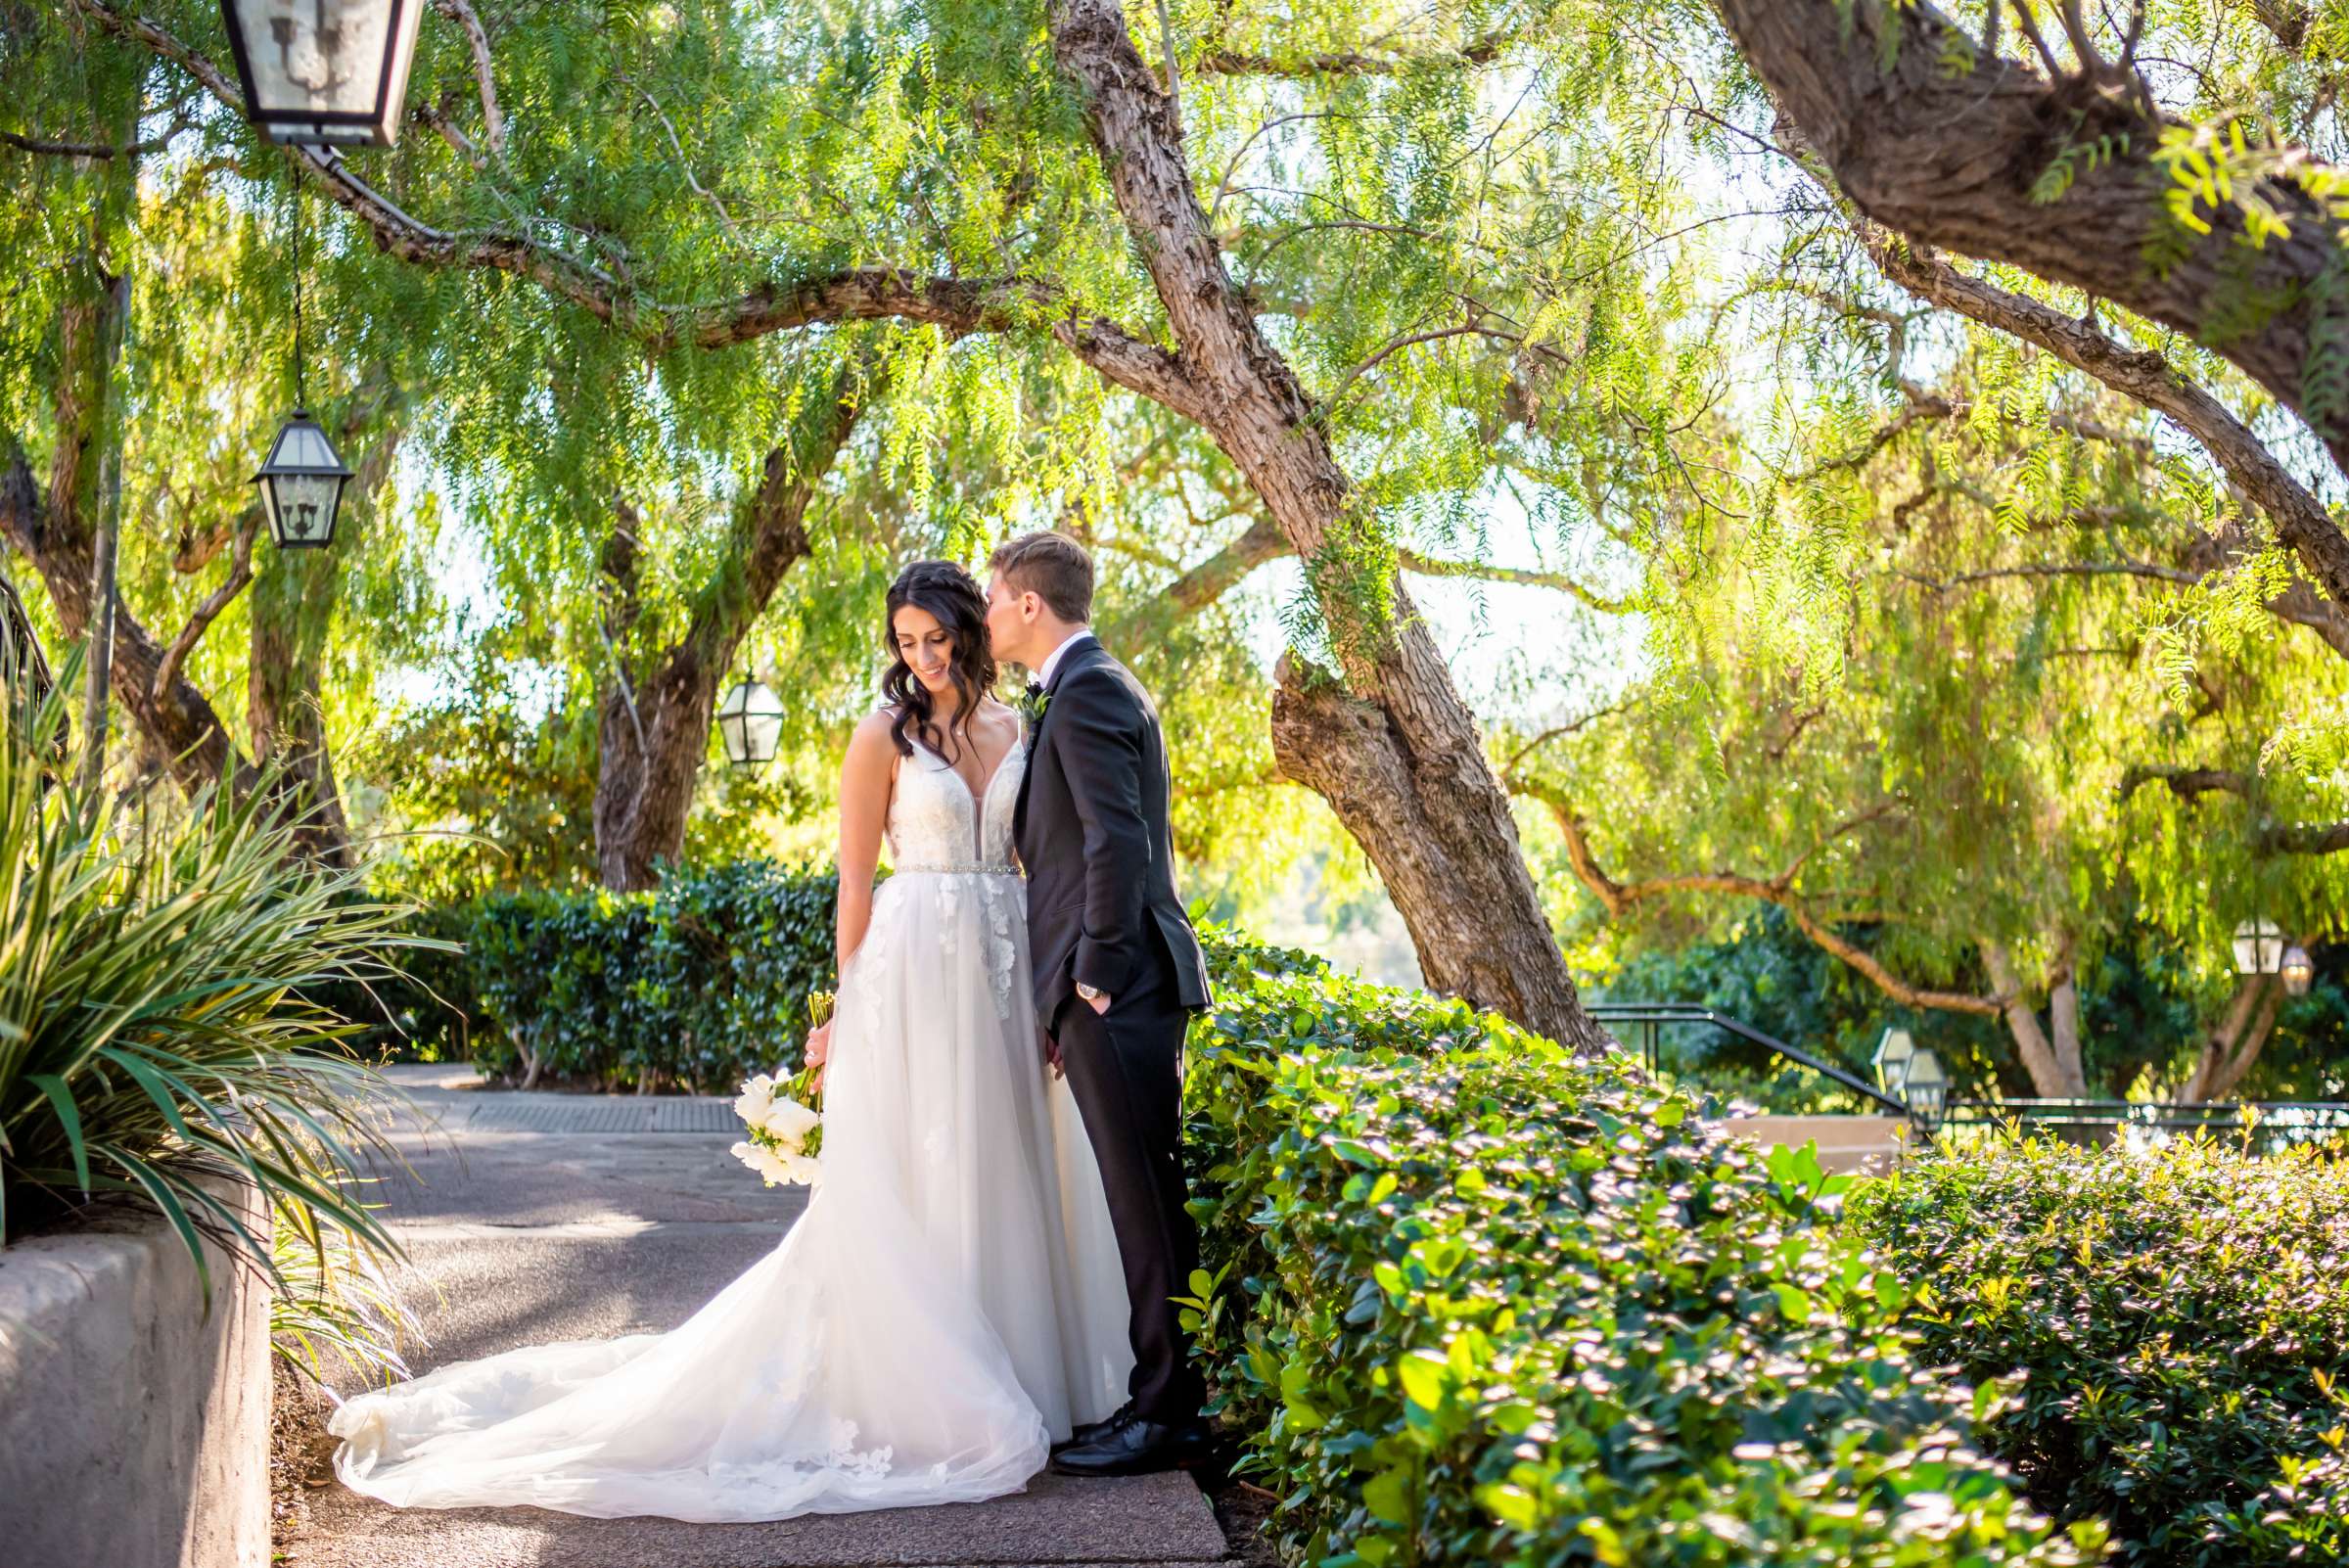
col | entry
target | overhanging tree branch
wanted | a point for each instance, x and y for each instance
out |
(201, 619)
(100, 150)
(1480, 51)
(476, 39)
(1620, 899)
(2191, 784)
(2299, 519)
(866, 294)
(1967, 160)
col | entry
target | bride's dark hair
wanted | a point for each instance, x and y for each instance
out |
(953, 597)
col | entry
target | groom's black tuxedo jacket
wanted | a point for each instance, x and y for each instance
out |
(1092, 828)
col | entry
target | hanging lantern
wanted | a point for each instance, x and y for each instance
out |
(324, 72)
(749, 723)
(302, 485)
(1925, 1086)
(2258, 948)
(2298, 971)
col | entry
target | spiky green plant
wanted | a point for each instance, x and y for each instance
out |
(158, 1039)
(336, 1302)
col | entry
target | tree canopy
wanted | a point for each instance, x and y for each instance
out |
(1983, 615)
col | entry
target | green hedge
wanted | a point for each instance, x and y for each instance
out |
(696, 984)
(2182, 1320)
(1477, 1301)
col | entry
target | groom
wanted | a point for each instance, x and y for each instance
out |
(1117, 969)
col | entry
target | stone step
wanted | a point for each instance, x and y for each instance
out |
(1845, 1143)
(1055, 1522)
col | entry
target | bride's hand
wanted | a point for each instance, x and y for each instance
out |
(818, 1052)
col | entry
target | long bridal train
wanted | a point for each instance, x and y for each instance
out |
(950, 1303)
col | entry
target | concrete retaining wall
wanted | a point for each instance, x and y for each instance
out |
(134, 1431)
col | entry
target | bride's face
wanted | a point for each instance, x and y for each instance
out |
(927, 645)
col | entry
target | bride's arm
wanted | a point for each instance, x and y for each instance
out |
(865, 779)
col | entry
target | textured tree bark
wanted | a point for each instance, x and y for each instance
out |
(1949, 159)
(1392, 749)
(654, 728)
(2232, 1044)
(2063, 1021)
(2030, 1040)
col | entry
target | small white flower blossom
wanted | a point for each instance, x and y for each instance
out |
(790, 1122)
(757, 1098)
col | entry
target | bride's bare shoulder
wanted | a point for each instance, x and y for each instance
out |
(871, 743)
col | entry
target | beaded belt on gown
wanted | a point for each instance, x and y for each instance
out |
(980, 867)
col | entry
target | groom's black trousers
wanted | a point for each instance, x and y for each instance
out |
(1124, 1070)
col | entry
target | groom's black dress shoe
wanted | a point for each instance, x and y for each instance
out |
(1137, 1448)
(1090, 1432)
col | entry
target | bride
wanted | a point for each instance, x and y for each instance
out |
(950, 1304)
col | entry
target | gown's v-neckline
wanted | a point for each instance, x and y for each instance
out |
(979, 796)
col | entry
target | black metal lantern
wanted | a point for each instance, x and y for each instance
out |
(302, 484)
(1925, 1088)
(325, 73)
(749, 723)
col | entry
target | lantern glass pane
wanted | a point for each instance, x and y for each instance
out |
(762, 732)
(314, 56)
(749, 722)
(1893, 1056)
(2258, 948)
(302, 444)
(301, 506)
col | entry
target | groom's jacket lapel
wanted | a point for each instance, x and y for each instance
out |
(1077, 658)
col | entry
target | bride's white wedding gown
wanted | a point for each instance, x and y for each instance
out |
(949, 1303)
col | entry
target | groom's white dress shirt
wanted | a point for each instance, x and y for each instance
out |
(1043, 671)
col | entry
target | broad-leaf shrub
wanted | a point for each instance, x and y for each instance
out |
(2181, 1320)
(696, 984)
(1478, 1301)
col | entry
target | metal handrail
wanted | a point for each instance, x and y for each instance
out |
(2164, 1114)
(1657, 1014)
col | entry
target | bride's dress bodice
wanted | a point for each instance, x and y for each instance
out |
(936, 823)
(951, 847)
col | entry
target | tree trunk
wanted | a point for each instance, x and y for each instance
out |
(652, 739)
(1394, 750)
(653, 733)
(53, 531)
(2064, 1017)
(292, 612)
(2047, 1079)
(2232, 1044)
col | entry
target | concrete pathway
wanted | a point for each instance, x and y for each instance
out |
(544, 1217)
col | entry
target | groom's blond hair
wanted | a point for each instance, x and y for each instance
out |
(1055, 568)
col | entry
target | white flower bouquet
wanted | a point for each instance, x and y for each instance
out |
(786, 1130)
